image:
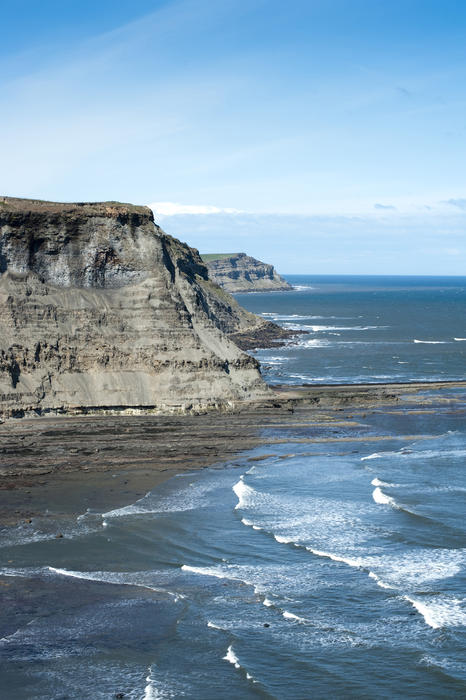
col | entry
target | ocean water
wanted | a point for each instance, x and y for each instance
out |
(366, 329)
(333, 568)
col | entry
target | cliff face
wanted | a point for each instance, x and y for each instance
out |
(99, 308)
(241, 273)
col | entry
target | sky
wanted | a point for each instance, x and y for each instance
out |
(324, 136)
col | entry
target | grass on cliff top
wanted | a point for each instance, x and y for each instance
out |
(20, 204)
(207, 257)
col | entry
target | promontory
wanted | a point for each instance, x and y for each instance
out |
(238, 272)
(100, 310)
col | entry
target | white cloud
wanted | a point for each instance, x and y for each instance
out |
(174, 208)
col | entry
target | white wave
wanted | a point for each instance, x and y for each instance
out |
(249, 523)
(318, 329)
(246, 494)
(378, 482)
(357, 563)
(301, 287)
(306, 377)
(430, 342)
(17, 634)
(274, 360)
(284, 540)
(251, 576)
(444, 663)
(417, 567)
(459, 340)
(232, 574)
(186, 498)
(208, 571)
(118, 578)
(378, 580)
(214, 626)
(88, 576)
(380, 497)
(406, 571)
(374, 455)
(441, 611)
(150, 691)
(231, 657)
(291, 616)
(159, 691)
(291, 317)
(411, 453)
(313, 343)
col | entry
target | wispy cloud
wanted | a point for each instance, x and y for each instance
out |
(384, 206)
(175, 209)
(333, 244)
(459, 203)
(403, 91)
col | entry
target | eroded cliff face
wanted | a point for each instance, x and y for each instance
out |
(242, 273)
(100, 309)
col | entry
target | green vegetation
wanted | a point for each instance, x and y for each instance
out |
(207, 257)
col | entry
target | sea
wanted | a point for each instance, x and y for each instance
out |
(366, 329)
(329, 562)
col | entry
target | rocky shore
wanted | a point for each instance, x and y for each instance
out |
(71, 463)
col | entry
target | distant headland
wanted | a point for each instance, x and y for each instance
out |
(238, 272)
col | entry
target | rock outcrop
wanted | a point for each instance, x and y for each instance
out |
(239, 272)
(101, 310)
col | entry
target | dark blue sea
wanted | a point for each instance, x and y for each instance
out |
(332, 567)
(366, 329)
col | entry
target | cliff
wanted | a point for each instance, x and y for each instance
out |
(238, 272)
(100, 309)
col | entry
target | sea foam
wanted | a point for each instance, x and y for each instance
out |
(291, 616)
(378, 482)
(380, 497)
(440, 611)
(231, 657)
(141, 579)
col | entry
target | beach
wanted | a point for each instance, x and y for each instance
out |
(96, 461)
(120, 541)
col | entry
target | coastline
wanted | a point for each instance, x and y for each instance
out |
(54, 469)
(67, 464)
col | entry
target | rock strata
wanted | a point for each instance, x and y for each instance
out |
(239, 272)
(101, 310)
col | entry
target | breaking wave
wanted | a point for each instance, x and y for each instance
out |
(440, 610)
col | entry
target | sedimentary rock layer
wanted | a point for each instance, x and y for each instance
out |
(241, 273)
(100, 309)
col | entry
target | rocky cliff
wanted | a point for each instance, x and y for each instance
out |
(100, 309)
(239, 272)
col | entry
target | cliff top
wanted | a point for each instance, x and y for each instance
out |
(18, 204)
(208, 257)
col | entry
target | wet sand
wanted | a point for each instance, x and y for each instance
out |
(70, 463)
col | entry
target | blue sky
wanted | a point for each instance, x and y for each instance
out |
(325, 136)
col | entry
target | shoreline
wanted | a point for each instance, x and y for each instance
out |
(69, 463)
